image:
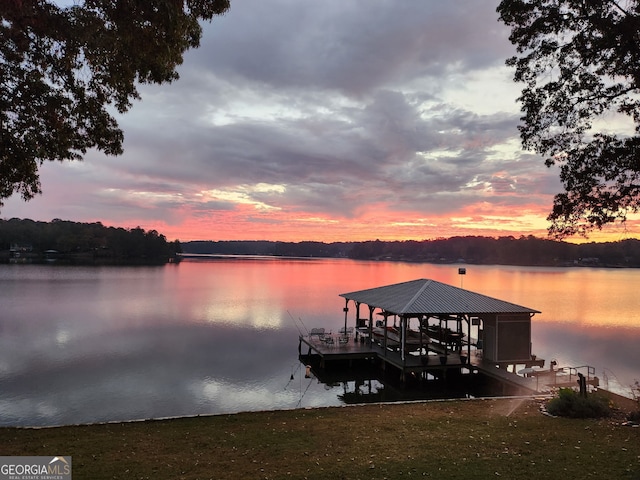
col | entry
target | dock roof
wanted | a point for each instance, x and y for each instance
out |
(429, 297)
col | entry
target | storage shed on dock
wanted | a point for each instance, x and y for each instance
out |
(446, 320)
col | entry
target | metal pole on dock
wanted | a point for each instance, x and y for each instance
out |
(346, 311)
(403, 337)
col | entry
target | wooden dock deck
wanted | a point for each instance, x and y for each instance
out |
(331, 348)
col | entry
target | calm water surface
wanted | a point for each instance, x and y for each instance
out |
(89, 344)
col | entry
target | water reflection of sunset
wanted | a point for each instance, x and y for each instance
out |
(577, 296)
(207, 331)
(262, 295)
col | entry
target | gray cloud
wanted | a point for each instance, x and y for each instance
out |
(340, 104)
(353, 47)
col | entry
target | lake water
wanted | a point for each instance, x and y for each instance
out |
(92, 344)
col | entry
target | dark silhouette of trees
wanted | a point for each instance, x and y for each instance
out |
(63, 67)
(580, 64)
(525, 250)
(85, 242)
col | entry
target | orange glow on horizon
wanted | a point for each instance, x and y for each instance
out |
(247, 223)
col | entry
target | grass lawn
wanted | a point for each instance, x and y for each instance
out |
(501, 438)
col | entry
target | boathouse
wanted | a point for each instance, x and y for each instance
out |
(423, 327)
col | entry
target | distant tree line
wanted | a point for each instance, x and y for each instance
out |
(73, 242)
(262, 247)
(525, 250)
(93, 243)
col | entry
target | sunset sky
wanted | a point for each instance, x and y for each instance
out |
(326, 120)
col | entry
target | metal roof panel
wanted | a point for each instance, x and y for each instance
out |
(423, 296)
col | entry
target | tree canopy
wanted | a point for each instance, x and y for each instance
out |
(63, 67)
(83, 243)
(579, 61)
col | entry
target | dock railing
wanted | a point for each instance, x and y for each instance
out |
(574, 371)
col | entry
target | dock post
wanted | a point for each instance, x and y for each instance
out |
(346, 314)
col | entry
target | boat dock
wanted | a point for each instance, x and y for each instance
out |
(354, 349)
(428, 330)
